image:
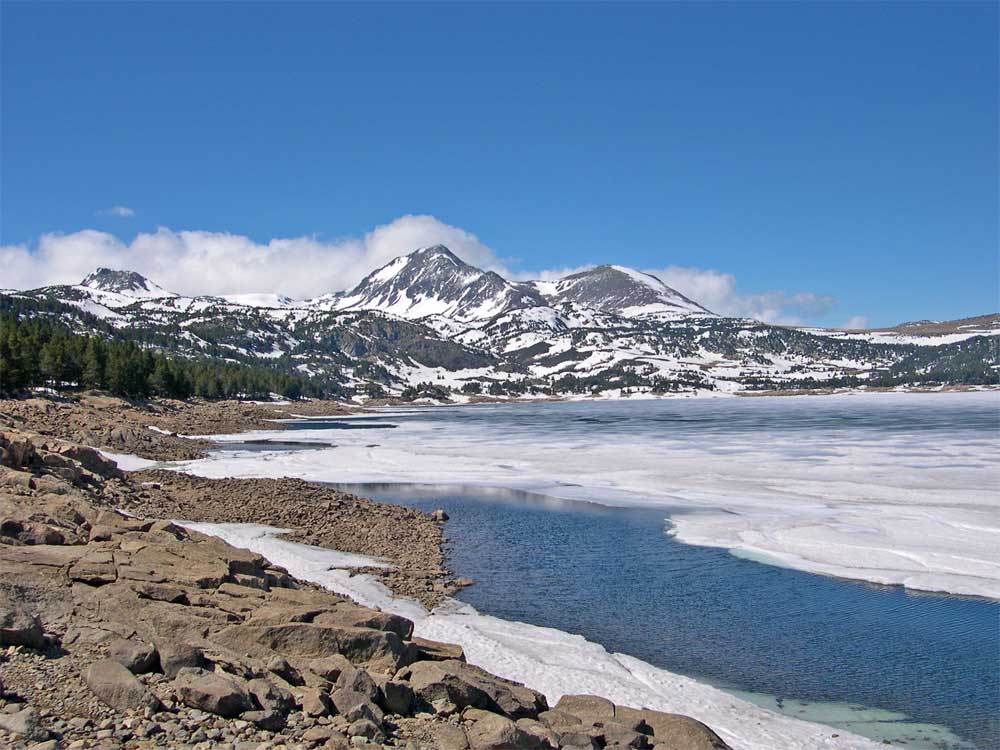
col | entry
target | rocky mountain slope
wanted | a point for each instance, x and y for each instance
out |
(428, 323)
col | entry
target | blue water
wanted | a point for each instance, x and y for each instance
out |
(614, 576)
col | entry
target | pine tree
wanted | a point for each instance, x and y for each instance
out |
(51, 362)
(162, 378)
(93, 363)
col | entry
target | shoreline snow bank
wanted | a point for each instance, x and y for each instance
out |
(549, 660)
(129, 462)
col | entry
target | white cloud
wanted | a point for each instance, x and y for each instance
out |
(198, 262)
(719, 293)
(123, 212)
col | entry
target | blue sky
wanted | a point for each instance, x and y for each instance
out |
(841, 158)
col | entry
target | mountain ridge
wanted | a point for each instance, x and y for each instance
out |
(430, 318)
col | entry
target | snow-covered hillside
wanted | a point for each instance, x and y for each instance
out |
(430, 318)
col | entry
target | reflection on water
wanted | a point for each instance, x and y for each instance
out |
(854, 655)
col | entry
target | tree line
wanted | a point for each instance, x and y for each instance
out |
(38, 351)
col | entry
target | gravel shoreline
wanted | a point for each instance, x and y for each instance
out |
(122, 426)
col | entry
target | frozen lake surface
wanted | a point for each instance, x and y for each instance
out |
(888, 488)
(884, 488)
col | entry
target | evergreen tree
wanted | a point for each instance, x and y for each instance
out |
(93, 363)
(162, 378)
(52, 362)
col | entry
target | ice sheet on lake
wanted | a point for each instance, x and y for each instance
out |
(554, 662)
(890, 507)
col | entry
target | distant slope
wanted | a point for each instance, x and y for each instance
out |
(923, 332)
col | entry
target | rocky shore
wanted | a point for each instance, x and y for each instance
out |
(152, 429)
(125, 630)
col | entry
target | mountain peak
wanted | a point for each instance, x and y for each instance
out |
(128, 283)
(113, 280)
(434, 281)
(623, 290)
(435, 250)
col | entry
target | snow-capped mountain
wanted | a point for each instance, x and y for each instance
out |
(429, 317)
(619, 290)
(127, 284)
(433, 281)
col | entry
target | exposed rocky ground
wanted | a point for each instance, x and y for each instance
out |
(122, 426)
(124, 631)
(317, 515)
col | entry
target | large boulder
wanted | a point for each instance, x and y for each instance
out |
(354, 615)
(315, 702)
(394, 696)
(354, 706)
(223, 695)
(622, 735)
(589, 709)
(18, 627)
(118, 688)
(329, 667)
(136, 657)
(490, 731)
(92, 461)
(427, 650)
(176, 655)
(269, 696)
(674, 730)
(358, 680)
(466, 685)
(25, 723)
(377, 648)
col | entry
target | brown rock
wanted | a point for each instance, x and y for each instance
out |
(269, 696)
(223, 695)
(377, 648)
(449, 737)
(358, 680)
(329, 667)
(356, 616)
(589, 709)
(18, 627)
(427, 650)
(315, 702)
(675, 730)
(26, 723)
(117, 687)
(559, 720)
(137, 658)
(354, 706)
(490, 731)
(394, 697)
(175, 656)
(466, 685)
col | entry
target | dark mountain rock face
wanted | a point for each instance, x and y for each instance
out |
(110, 280)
